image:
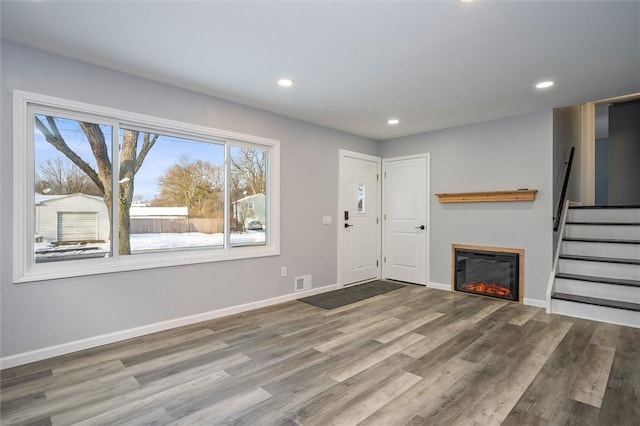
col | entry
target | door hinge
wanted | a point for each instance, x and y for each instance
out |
(385, 174)
(385, 259)
(377, 221)
(377, 177)
(377, 264)
(385, 216)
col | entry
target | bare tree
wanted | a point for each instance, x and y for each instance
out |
(135, 146)
(249, 166)
(59, 176)
(197, 185)
(247, 176)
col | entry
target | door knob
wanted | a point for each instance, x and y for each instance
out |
(346, 225)
(420, 227)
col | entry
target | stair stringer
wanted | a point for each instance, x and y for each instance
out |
(551, 285)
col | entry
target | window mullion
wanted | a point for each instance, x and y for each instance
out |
(115, 191)
(227, 198)
(29, 212)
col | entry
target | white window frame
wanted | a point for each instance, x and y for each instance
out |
(25, 269)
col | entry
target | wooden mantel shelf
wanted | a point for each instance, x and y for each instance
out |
(474, 197)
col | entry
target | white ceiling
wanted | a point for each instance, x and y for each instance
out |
(431, 64)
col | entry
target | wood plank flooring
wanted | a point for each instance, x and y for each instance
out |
(414, 356)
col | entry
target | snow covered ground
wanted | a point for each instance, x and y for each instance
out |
(46, 252)
(143, 242)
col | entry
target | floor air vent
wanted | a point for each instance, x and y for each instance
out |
(303, 283)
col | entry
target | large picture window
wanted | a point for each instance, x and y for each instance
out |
(100, 190)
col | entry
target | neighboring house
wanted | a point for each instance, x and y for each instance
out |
(249, 209)
(72, 217)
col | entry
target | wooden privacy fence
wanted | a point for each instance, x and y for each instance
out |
(163, 225)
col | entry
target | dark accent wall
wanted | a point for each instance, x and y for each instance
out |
(602, 171)
(624, 153)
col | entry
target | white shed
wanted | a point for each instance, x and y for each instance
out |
(73, 217)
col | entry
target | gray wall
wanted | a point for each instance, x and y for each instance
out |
(566, 134)
(41, 314)
(503, 154)
(624, 153)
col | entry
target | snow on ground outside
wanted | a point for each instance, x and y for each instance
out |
(144, 242)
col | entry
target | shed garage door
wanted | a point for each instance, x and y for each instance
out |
(77, 226)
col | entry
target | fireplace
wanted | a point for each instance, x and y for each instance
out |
(488, 271)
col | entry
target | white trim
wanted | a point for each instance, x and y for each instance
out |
(552, 275)
(342, 153)
(136, 120)
(439, 286)
(20, 245)
(91, 342)
(24, 267)
(534, 302)
(142, 261)
(588, 153)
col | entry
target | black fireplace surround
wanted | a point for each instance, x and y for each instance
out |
(489, 273)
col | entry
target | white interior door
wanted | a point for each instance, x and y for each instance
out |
(406, 219)
(358, 219)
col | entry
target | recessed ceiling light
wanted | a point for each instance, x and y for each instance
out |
(285, 82)
(467, 1)
(544, 84)
(393, 121)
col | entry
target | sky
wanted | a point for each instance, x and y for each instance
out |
(164, 154)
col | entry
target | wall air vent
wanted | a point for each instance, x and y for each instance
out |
(303, 283)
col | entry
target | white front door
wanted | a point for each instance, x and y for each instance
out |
(358, 218)
(405, 216)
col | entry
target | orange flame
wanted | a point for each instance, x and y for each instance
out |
(488, 288)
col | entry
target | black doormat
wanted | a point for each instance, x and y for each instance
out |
(344, 296)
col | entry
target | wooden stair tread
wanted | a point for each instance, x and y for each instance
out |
(600, 259)
(597, 301)
(602, 280)
(600, 240)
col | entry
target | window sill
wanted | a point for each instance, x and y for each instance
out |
(86, 267)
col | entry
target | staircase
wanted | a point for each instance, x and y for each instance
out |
(598, 270)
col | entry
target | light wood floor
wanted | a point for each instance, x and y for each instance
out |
(413, 356)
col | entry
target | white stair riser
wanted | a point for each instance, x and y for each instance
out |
(604, 215)
(598, 313)
(600, 269)
(622, 293)
(621, 232)
(614, 250)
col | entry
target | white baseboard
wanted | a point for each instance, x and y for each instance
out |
(534, 302)
(438, 286)
(91, 342)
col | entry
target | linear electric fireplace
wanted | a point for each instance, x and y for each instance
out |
(488, 271)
